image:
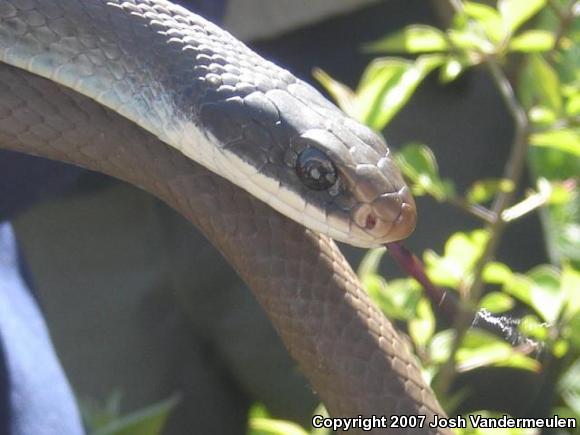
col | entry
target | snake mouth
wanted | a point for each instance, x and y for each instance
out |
(389, 218)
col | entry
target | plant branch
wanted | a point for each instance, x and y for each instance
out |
(513, 172)
(473, 209)
(565, 20)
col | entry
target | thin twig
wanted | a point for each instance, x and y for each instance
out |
(565, 20)
(473, 209)
(513, 172)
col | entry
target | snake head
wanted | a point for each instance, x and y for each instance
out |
(290, 147)
(364, 186)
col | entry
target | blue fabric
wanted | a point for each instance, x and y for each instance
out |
(35, 397)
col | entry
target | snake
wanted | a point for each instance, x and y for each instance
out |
(264, 165)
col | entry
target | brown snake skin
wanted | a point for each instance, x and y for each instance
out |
(348, 350)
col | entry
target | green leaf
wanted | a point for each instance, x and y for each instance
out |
(571, 329)
(387, 85)
(497, 302)
(497, 273)
(440, 346)
(470, 40)
(321, 410)
(530, 326)
(481, 349)
(567, 140)
(546, 295)
(560, 348)
(418, 163)
(369, 265)
(484, 190)
(422, 326)
(268, 426)
(412, 39)
(514, 13)
(451, 70)
(487, 17)
(569, 387)
(342, 94)
(560, 192)
(546, 83)
(258, 410)
(149, 421)
(519, 287)
(533, 41)
(398, 299)
(96, 415)
(573, 105)
(461, 252)
(571, 289)
(542, 115)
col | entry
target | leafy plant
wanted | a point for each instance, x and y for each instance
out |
(106, 419)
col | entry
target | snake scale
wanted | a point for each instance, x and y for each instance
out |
(92, 82)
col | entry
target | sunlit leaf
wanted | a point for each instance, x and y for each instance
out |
(418, 163)
(412, 39)
(452, 69)
(530, 326)
(497, 273)
(461, 252)
(571, 289)
(369, 265)
(497, 302)
(560, 192)
(533, 41)
(440, 346)
(484, 190)
(546, 295)
(470, 40)
(546, 84)
(519, 286)
(481, 349)
(487, 17)
(387, 85)
(342, 94)
(397, 299)
(573, 105)
(321, 410)
(560, 348)
(571, 331)
(569, 386)
(567, 140)
(422, 326)
(542, 115)
(258, 410)
(149, 421)
(268, 426)
(516, 12)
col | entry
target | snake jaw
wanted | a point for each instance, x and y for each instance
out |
(405, 223)
(390, 217)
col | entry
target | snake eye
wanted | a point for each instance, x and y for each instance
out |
(315, 169)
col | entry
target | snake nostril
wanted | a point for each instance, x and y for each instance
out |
(370, 222)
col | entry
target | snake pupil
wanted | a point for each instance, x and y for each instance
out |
(315, 169)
